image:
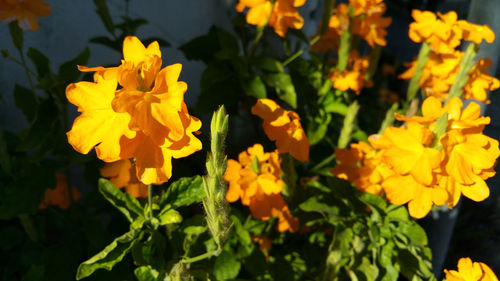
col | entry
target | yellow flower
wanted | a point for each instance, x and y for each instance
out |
(256, 179)
(443, 34)
(369, 23)
(122, 175)
(476, 33)
(470, 271)
(24, 11)
(354, 76)
(59, 196)
(279, 14)
(283, 126)
(479, 82)
(145, 119)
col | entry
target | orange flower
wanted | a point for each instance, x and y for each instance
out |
(476, 33)
(264, 243)
(122, 174)
(283, 126)
(479, 82)
(145, 119)
(369, 23)
(354, 76)
(256, 179)
(470, 271)
(279, 14)
(443, 34)
(59, 196)
(24, 11)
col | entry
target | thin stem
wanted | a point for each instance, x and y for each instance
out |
(323, 163)
(327, 12)
(466, 65)
(202, 256)
(150, 200)
(26, 69)
(389, 118)
(301, 51)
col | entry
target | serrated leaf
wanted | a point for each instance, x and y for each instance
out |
(16, 33)
(26, 100)
(41, 62)
(128, 205)
(226, 266)
(68, 71)
(146, 273)
(184, 191)
(282, 82)
(254, 87)
(111, 255)
(103, 12)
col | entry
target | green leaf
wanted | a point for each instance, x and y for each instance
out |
(16, 33)
(229, 47)
(68, 71)
(111, 255)
(332, 105)
(41, 62)
(414, 232)
(103, 12)
(314, 204)
(42, 126)
(125, 203)
(26, 100)
(226, 266)
(146, 273)
(254, 87)
(184, 191)
(268, 64)
(317, 128)
(169, 217)
(282, 82)
(201, 48)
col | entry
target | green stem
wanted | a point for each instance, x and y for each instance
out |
(374, 57)
(423, 56)
(150, 201)
(26, 69)
(327, 12)
(301, 51)
(389, 118)
(345, 44)
(202, 256)
(348, 127)
(323, 163)
(466, 65)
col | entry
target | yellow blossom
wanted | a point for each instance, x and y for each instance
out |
(122, 175)
(470, 271)
(145, 119)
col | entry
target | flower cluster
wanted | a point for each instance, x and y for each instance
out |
(255, 179)
(362, 17)
(135, 110)
(353, 77)
(283, 126)
(428, 162)
(60, 196)
(443, 35)
(471, 271)
(122, 174)
(24, 11)
(279, 14)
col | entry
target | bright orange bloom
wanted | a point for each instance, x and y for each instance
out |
(476, 33)
(443, 34)
(279, 14)
(479, 82)
(470, 271)
(256, 179)
(354, 76)
(59, 196)
(24, 11)
(145, 119)
(264, 243)
(283, 126)
(363, 166)
(122, 175)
